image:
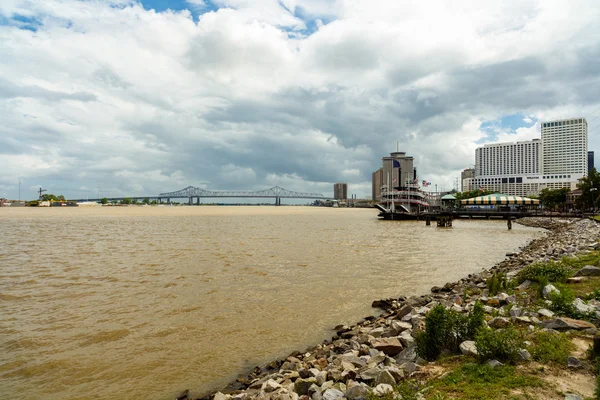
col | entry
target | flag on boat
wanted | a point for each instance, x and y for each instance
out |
(426, 183)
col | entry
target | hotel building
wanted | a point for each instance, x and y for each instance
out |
(557, 160)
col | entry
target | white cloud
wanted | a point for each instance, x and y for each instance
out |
(109, 95)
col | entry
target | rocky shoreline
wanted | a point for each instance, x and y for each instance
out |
(369, 359)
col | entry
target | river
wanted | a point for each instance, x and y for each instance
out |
(143, 302)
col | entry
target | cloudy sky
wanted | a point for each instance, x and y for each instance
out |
(117, 97)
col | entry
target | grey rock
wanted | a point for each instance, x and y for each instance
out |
(357, 392)
(581, 307)
(270, 385)
(408, 354)
(573, 362)
(524, 285)
(390, 346)
(468, 347)
(549, 289)
(369, 374)
(494, 363)
(573, 396)
(499, 322)
(523, 320)
(383, 389)
(406, 339)
(401, 326)
(524, 355)
(332, 394)
(545, 313)
(515, 312)
(385, 377)
(410, 367)
(302, 385)
(588, 270)
(221, 396)
(565, 323)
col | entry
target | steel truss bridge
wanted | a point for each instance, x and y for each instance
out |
(192, 193)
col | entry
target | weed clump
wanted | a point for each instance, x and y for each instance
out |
(551, 347)
(446, 329)
(497, 283)
(551, 270)
(501, 344)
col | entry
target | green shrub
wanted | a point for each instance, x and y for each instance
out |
(597, 391)
(446, 330)
(551, 347)
(553, 271)
(595, 295)
(562, 303)
(502, 344)
(496, 283)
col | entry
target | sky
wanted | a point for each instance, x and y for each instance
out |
(131, 98)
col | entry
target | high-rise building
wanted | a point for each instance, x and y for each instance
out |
(556, 161)
(376, 182)
(398, 170)
(466, 173)
(590, 161)
(340, 191)
(565, 147)
(504, 159)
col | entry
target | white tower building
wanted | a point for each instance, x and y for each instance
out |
(565, 147)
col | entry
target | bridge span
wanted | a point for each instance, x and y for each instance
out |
(196, 193)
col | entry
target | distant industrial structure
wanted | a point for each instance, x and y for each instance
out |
(340, 191)
(557, 160)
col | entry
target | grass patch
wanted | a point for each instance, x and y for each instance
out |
(581, 260)
(476, 381)
(550, 347)
(551, 271)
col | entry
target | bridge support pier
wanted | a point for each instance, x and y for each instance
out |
(198, 200)
(277, 201)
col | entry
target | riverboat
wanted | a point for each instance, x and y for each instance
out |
(406, 203)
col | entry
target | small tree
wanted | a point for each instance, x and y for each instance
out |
(146, 201)
(104, 200)
(49, 197)
(126, 201)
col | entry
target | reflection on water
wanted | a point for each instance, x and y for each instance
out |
(146, 301)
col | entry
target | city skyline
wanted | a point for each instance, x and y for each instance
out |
(111, 98)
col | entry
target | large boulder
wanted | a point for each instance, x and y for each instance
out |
(583, 308)
(468, 347)
(565, 323)
(390, 346)
(588, 270)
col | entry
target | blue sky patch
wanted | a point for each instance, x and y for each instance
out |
(178, 5)
(508, 124)
(22, 22)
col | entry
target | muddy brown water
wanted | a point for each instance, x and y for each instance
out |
(143, 302)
